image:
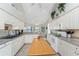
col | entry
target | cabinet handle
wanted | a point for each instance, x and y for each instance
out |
(12, 5)
(76, 48)
(76, 52)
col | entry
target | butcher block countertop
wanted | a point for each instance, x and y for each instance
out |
(40, 47)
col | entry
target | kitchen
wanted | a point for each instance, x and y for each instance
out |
(21, 23)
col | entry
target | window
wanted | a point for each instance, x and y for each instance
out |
(29, 29)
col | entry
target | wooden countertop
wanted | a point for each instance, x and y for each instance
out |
(40, 47)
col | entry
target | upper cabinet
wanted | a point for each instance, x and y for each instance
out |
(10, 15)
(3, 19)
(12, 10)
(69, 20)
(7, 7)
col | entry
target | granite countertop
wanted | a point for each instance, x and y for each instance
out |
(73, 40)
(31, 33)
(3, 41)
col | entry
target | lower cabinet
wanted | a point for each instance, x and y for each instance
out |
(17, 44)
(67, 49)
(12, 47)
(61, 47)
(5, 49)
(29, 37)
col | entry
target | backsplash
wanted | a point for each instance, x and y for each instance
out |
(3, 33)
(76, 34)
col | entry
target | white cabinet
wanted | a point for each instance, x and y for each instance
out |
(29, 38)
(76, 52)
(21, 41)
(68, 21)
(3, 19)
(17, 24)
(12, 47)
(53, 40)
(67, 49)
(12, 10)
(60, 47)
(7, 16)
(5, 49)
(7, 7)
(17, 44)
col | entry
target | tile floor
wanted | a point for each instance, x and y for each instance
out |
(24, 50)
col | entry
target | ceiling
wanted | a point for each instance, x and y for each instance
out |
(38, 13)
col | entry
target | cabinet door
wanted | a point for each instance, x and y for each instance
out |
(74, 51)
(60, 47)
(3, 19)
(64, 48)
(29, 38)
(7, 13)
(8, 7)
(5, 50)
(15, 46)
(67, 49)
(69, 20)
(21, 41)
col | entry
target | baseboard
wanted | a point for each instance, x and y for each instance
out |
(59, 54)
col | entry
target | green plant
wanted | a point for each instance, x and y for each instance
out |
(43, 29)
(61, 7)
(53, 14)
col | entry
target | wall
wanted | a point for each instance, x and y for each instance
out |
(76, 34)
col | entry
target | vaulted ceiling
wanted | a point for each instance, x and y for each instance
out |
(38, 13)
